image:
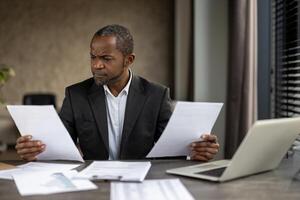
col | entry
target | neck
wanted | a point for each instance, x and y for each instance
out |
(116, 87)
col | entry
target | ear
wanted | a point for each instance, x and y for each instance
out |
(129, 59)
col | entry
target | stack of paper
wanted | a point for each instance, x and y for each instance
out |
(167, 189)
(36, 167)
(35, 178)
(49, 183)
(116, 170)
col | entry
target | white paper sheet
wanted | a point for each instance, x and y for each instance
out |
(116, 170)
(165, 189)
(188, 122)
(36, 167)
(43, 123)
(37, 183)
(7, 174)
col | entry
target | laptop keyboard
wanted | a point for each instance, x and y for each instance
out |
(214, 172)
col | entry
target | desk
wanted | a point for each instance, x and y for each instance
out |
(282, 183)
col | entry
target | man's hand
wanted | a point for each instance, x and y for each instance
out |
(28, 149)
(205, 149)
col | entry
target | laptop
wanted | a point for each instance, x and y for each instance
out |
(262, 150)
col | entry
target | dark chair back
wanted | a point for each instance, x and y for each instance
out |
(39, 99)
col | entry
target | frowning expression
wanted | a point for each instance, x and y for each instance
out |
(108, 64)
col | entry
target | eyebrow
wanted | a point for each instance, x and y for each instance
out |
(102, 53)
(108, 55)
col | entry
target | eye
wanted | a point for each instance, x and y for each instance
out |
(106, 58)
(92, 56)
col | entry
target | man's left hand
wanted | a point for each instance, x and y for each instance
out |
(206, 149)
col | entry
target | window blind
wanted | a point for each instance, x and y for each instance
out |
(286, 58)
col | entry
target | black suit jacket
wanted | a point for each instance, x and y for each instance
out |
(147, 113)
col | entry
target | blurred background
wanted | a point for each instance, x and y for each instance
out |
(203, 50)
(47, 42)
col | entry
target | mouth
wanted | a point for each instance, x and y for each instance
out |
(97, 75)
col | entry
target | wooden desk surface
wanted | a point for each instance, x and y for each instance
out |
(282, 183)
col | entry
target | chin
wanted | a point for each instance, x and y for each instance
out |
(100, 82)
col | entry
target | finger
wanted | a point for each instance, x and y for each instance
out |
(24, 138)
(207, 155)
(28, 158)
(199, 158)
(206, 149)
(200, 144)
(214, 145)
(31, 155)
(31, 150)
(204, 145)
(29, 144)
(209, 138)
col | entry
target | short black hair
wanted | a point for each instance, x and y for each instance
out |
(122, 34)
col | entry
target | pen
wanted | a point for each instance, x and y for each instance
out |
(106, 177)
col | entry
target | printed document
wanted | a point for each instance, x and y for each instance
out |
(43, 123)
(36, 167)
(188, 122)
(37, 183)
(164, 189)
(116, 170)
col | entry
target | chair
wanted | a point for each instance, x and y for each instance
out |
(39, 99)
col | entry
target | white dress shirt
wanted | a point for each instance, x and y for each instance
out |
(115, 109)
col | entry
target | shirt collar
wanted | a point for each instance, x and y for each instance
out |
(124, 90)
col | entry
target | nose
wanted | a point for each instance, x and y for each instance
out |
(97, 64)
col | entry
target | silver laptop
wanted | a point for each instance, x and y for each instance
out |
(262, 149)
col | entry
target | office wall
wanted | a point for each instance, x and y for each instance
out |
(210, 59)
(47, 41)
(183, 49)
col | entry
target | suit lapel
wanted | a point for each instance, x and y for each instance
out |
(97, 101)
(135, 102)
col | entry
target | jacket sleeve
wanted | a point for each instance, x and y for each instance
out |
(166, 109)
(67, 116)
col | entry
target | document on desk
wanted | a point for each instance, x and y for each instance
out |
(36, 167)
(38, 183)
(116, 170)
(164, 189)
(188, 122)
(43, 123)
(50, 167)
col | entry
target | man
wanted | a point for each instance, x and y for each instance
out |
(115, 114)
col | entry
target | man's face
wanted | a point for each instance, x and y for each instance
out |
(107, 62)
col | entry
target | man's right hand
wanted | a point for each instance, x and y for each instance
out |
(28, 149)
